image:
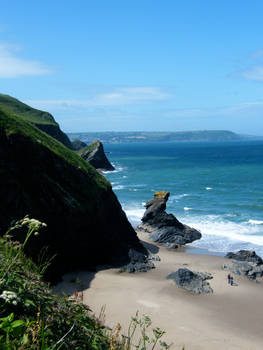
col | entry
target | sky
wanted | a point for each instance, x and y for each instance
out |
(136, 65)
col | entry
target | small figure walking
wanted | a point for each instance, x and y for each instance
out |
(229, 278)
(231, 281)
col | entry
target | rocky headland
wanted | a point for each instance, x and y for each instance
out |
(165, 228)
(95, 155)
(42, 178)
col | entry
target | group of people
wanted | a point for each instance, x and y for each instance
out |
(230, 279)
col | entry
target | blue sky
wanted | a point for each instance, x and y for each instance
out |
(124, 65)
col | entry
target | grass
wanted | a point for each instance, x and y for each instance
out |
(33, 318)
(15, 107)
(11, 125)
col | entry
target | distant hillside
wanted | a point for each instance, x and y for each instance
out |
(43, 120)
(142, 136)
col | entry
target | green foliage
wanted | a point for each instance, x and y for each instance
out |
(11, 125)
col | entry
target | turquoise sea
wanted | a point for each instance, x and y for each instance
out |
(215, 187)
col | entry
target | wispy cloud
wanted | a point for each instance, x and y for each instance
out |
(253, 73)
(12, 66)
(247, 109)
(115, 97)
(252, 67)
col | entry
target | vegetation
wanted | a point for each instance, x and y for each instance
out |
(12, 125)
(13, 106)
(32, 317)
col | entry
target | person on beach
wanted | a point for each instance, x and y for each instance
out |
(229, 278)
(231, 281)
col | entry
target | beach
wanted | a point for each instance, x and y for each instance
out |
(229, 318)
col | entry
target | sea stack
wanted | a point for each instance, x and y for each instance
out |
(165, 228)
(95, 155)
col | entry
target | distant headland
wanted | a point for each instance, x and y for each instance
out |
(162, 136)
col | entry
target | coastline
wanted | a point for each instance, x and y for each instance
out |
(230, 318)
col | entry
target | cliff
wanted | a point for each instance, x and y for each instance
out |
(44, 179)
(95, 155)
(42, 120)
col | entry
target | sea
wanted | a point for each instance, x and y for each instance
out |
(216, 188)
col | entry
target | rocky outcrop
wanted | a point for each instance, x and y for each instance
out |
(194, 282)
(246, 263)
(245, 255)
(165, 228)
(86, 225)
(139, 262)
(95, 155)
(78, 145)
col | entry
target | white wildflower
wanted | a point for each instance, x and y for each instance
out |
(33, 224)
(9, 297)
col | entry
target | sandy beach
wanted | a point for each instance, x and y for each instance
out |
(230, 318)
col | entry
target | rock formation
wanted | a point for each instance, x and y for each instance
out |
(139, 262)
(39, 176)
(165, 228)
(78, 145)
(42, 120)
(245, 255)
(246, 263)
(194, 282)
(95, 155)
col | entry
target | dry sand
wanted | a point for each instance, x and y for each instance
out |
(230, 318)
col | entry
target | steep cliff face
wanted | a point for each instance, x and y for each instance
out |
(42, 178)
(95, 155)
(42, 120)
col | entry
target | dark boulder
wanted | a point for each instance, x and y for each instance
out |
(245, 255)
(95, 155)
(139, 262)
(165, 228)
(39, 176)
(194, 282)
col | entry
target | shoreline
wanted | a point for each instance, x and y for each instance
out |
(230, 318)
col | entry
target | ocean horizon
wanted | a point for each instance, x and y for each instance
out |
(214, 187)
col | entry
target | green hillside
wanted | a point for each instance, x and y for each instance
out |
(43, 120)
(13, 106)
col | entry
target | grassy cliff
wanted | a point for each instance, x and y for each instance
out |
(43, 120)
(44, 179)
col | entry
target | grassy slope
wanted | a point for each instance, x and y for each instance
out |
(45, 317)
(16, 107)
(10, 124)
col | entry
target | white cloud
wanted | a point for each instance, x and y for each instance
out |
(11, 66)
(117, 97)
